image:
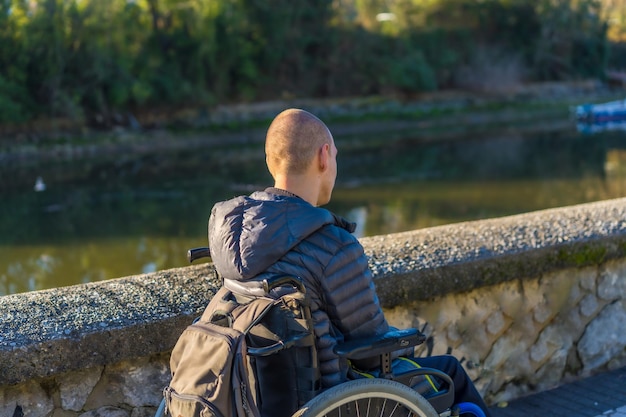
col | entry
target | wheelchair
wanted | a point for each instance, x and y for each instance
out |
(386, 394)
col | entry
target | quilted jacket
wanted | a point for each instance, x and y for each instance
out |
(272, 232)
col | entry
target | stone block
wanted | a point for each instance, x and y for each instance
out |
(510, 298)
(558, 287)
(604, 337)
(525, 325)
(76, 386)
(573, 365)
(588, 279)
(496, 323)
(539, 352)
(589, 306)
(553, 339)
(551, 372)
(30, 397)
(575, 295)
(481, 304)
(612, 281)
(573, 322)
(477, 342)
(8, 405)
(543, 313)
(440, 344)
(507, 349)
(532, 295)
(135, 383)
(453, 335)
(442, 311)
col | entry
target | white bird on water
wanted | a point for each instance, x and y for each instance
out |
(39, 185)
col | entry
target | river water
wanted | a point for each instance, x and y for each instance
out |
(133, 214)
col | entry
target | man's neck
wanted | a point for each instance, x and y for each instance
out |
(300, 186)
(280, 191)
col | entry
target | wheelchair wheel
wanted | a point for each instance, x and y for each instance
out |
(161, 410)
(368, 397)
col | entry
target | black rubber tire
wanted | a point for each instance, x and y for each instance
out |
(368, 397)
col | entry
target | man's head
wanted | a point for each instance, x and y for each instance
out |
(301, 155)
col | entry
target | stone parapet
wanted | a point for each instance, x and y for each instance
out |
(427, 263)
(528, 301)
(48, 332)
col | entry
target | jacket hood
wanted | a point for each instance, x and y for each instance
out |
(250, 233)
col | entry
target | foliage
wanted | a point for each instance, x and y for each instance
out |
(92, 61)
(572, 40)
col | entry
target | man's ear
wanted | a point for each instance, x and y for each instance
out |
(324, 155)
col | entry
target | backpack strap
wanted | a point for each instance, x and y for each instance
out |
(220, 308)
(246, 316)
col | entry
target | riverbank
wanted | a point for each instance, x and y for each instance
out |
(432, 115)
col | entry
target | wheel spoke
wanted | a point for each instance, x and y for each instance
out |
(395, 407)
(368, 398)
(382, 408)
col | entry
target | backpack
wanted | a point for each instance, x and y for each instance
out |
(212, 374)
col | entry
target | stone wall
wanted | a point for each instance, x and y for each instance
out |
(527, 301)
(529, 335)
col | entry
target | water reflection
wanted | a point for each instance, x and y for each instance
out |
(101, 219)
(34, 267)
(591, 128)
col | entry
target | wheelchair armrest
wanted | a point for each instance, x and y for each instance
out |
(373, 346)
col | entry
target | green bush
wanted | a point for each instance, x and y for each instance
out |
(11, 110)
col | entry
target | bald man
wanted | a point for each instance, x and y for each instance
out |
(283, 230)
(301, 156)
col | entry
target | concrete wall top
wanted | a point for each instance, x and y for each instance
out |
(48, 332)
(426, 263)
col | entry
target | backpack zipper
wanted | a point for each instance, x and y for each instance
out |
(169, 393)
